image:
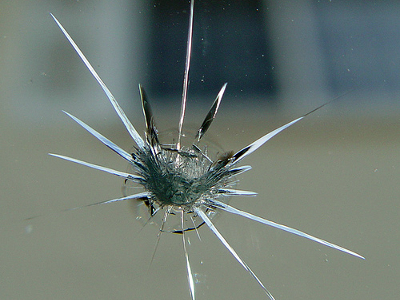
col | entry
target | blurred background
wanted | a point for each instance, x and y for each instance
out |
(334, 175)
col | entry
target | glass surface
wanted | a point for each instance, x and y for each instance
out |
(334, 175)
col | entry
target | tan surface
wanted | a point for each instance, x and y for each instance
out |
(333, 179)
